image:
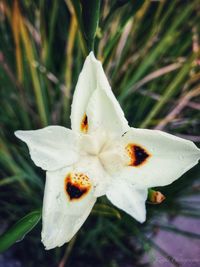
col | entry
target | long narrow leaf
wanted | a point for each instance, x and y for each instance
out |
(19, 230)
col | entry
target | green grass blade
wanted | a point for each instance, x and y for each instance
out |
(35, 78)
(11, 179)
(19, 230)
(170, 91)
(178, 231)
(90, 16)
(164, 45)
(106, 210)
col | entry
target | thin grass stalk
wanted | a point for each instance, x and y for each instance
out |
(16, 34)
(69, 57)
(170, 91)
(36, 83)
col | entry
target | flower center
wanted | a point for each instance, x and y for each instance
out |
(93, 144)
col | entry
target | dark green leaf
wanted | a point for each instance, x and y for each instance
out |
(90, 16)
(19, 230)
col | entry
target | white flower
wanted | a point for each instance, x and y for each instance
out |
(101, 155)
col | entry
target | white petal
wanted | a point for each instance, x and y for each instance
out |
(129, 198)
(63, 211)
(105, 114)
(92, 77)
(52, 147)
(87, 83)
(155, 158)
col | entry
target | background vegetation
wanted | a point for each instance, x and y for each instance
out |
(151, 54)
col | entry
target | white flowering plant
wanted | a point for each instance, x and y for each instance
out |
(101, 155)
(98, 166)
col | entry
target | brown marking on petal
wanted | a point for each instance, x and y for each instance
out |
(137, 154)
(84, 124)
(77, 185)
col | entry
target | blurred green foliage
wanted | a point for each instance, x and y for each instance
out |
(151, 54)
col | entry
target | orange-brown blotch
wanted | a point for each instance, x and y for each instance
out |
(84, 124)
(137, 154)
(77, 185)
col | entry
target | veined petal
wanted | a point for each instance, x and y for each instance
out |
(153, 158)
(129, 198)
(105, 114)
(92, 77)
(52, 147)
(68, 200)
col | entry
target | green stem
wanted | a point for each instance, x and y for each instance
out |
(90, 20)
